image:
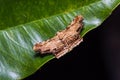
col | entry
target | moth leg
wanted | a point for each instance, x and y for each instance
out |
(61, 53)
(68, 48)
(77, 42)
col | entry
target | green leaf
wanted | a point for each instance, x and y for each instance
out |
(17, 59)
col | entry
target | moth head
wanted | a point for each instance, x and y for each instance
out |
(36, 47)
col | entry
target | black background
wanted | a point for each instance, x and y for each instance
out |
(97, 58)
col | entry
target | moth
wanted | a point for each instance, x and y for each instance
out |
(64, 41)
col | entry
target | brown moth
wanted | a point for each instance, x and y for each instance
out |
(64, 41)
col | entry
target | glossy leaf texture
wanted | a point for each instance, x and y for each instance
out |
(38, 22)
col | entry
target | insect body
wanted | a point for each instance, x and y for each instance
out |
(64, 41)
